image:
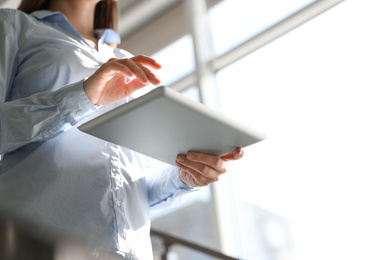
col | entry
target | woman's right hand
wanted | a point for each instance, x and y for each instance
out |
(108, 84)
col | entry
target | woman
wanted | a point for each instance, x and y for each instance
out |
(57, 69)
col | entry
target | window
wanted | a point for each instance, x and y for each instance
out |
(316, 187)
(320, 93)
(234, 21)
(177, 60)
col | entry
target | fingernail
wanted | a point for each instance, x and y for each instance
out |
(145, 80)
(180, 158)
(190, 156)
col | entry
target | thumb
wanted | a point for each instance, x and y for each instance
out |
(237, 154)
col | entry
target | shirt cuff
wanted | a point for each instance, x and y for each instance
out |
(178, 182)
(74, 103)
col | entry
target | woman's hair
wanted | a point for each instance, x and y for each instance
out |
(106, 12)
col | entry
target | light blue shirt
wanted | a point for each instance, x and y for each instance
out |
(52, 173)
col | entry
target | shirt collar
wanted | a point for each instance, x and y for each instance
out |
(106, 36)
(47, 15)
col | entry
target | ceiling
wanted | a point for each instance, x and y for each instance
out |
(133, 13)
(127, 4)
(9, 3)
(123, 4)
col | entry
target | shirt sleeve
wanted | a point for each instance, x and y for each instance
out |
(8, 52)
(165, 188)
(42, 116)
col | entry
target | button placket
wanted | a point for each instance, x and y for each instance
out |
(115, 164)
(117, 182)
(115, 173)
(118, 195)
(79, 113)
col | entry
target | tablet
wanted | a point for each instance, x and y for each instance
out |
(164, 123)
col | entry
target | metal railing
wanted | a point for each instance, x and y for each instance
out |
(32, 242)
(169, 241)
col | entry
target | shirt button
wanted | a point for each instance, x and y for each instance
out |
(118, 203)
(115, 164)
(79, 113)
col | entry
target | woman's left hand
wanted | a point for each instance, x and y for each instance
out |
(199, 169)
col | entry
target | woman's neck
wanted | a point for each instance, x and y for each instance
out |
(80, 14)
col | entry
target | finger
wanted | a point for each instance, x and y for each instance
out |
(112, 59)
(151, 76)
(213, 161)
(134, 85)
(205, 170)
(237, 154)
(135, 69)
(197, 178)
(147, 61)
(112, 67)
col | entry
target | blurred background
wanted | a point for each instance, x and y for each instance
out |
(314, 77)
